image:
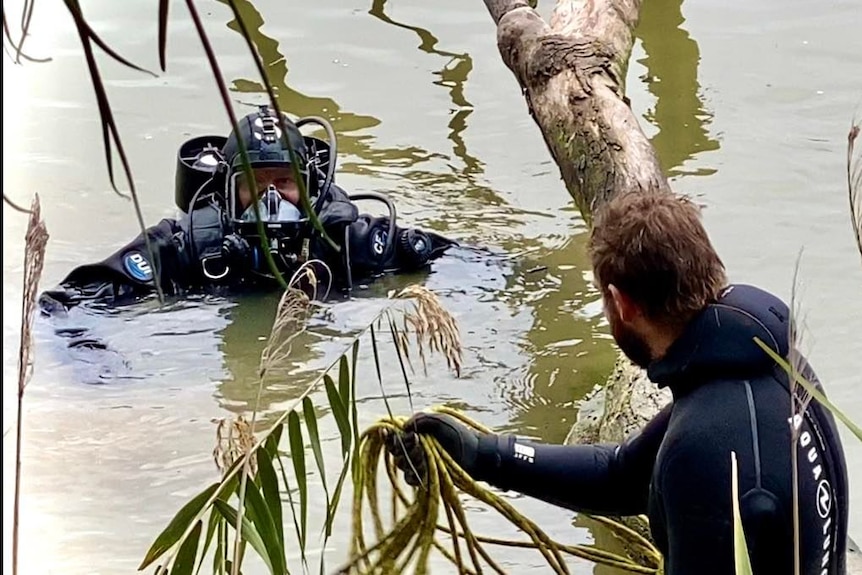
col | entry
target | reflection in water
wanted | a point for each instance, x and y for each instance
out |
(242, 342)
(453, 75)
(298, 104)
(672, 57)
(459, 187)
(567, 357)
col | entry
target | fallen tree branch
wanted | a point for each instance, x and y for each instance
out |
(572, 74)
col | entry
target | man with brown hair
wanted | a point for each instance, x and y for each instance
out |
(671, 311)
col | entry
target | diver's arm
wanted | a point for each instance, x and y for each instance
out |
(129, 272)
(600, 479)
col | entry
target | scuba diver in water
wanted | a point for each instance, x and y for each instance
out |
(228, 220)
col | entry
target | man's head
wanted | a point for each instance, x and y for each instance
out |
(268, 143)
(656, 268)
(281, 179)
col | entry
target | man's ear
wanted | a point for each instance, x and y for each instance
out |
(627, 309)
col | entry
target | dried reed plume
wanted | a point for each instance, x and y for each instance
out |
(432, 325)
(294, 308)
(34, 258)
(233, 440)
(854, 182)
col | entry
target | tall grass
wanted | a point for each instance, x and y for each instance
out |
(248, 500)
(34, 258)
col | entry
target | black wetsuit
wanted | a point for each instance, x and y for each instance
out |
(728, 396)
(191, 253)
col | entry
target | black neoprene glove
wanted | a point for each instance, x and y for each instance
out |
(236, 250)
(461, 442)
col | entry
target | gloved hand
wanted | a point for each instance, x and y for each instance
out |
(461, 442)
(236, 251)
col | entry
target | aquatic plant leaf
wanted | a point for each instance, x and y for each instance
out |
(220, 555)
(272, 496)
(339, 410)
(379, 375)
(810, 388)
(292, 507)
(336, 497)
(314, 437)
(263, 521)
(247, 530)
(352, 399)
(110, 132)
(273, 440)
(177, 526)
(400, 351)
(741, 560)
(304, 198)
(163, 33)
(212, 529)
(185, 561)
(344, 379)
(297, 454)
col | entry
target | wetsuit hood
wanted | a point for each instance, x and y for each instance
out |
(719, 342)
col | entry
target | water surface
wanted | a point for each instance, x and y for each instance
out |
(748, 109)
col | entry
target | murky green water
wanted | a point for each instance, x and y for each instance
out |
(748, 108)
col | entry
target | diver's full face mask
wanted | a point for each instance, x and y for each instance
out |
(272, 207)
(274, 191)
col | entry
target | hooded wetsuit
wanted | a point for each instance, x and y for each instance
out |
(728, 396)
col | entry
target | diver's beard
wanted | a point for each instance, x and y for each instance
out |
(632, 344)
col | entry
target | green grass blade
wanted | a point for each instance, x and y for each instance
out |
(740, 549)
(393, 329)
(269, 485)
(303, 192)
(220, 555)
(265, 525)
(292, 507)
(336, 497)
(184, 564)
(353, 361)
(351, 401)
(344, 379)
(297, 454)
(810, 388)
(273, 440)
(249, 533)
(379, 375)
(178, 525)
(376, 354)
(163, 33)
(339, 410)
(212, 528)
(338, 401)
(314, 438)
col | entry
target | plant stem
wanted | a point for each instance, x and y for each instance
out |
(17, 483)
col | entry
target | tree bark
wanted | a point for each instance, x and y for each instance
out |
(572, 74)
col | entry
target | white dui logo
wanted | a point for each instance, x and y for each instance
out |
(138, 266)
